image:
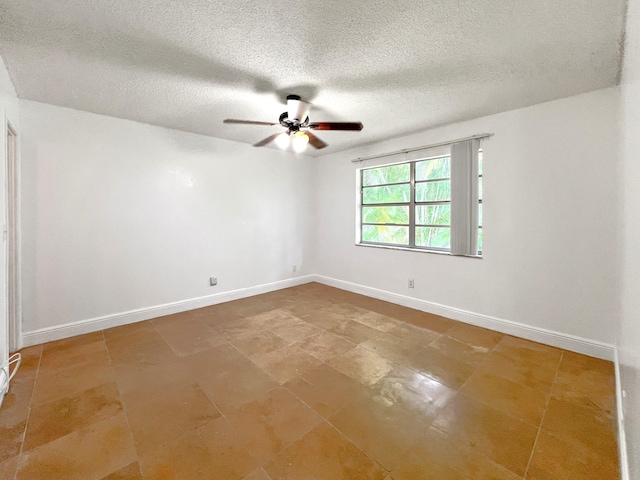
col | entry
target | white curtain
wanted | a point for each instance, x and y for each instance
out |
(464, 198)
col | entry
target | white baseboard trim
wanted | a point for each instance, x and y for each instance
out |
(557, 339)
(622, 438)
(58, 332)
(549, 337)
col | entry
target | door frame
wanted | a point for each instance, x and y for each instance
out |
(12, 240)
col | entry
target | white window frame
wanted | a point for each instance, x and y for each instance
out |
(412, 203)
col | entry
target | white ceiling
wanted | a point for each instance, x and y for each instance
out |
(398, 67)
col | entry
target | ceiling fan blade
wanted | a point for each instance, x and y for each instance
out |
(355, 126)
(269, 139)
(249, 122)
(315, 141)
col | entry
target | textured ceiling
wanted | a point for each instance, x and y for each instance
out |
(397, 66)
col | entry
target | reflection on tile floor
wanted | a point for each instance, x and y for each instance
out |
(307, 382)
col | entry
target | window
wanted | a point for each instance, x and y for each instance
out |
(409, 204)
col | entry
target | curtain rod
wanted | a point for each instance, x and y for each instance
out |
(440, 144)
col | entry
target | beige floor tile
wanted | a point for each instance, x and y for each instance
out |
(130, 472)
(212, 451)
(90, 453)
(71, 351)
(412, 334)
(592, 428)
(14, 412)
(588, 381)
(274, 318)
(458, 350)
(141, 383)
(324, 454)
(259, 344)
(202, 364)
(50, 421)
(241, 327)
(325, 345)
(295, 331)
(8, 468)
(168, 417)
(325, 389)
(187, 334)
(533, 352)
(421, 395)
(72, 380)
(272, 423)
(137, 332)
(327, 319)
(393, 348)
(216, 315)
(502, 438)
(476, 336)
(524, 403)
(435, 323)
(435, 458)
(519, 371)
(231, 388)
(440, 367)
(11, 437)
(287, 363)
(426, 396)
(378, 321)
(556, 459)
(363, 365)
(355, 332)
(381, 430)
(258, 474)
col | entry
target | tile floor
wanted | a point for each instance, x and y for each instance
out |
(307, 383)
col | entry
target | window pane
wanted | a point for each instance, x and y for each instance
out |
(480, 188)
(433, 191)
(479, 240)
(433, 215)
(480, 215)
(479, 162)
(433, 237)
(385, 215)
(382, 175)
(385, 234)
(388, 194)
(431, 169)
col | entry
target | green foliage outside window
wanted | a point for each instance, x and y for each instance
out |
(389, 224)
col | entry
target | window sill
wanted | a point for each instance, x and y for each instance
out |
(419, 250)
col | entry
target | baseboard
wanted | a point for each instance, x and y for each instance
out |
(622, 438)
(541, 335)
(549, 337)
(58, 332)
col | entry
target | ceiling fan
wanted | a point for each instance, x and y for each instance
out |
(296, 122)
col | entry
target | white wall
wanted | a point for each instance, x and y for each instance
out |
(550, 231)
(628, 340)
(8, 114)
(118, 215)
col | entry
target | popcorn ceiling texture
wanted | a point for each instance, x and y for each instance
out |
(398, 67)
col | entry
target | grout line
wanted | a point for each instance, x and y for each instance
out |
(124, 411)
(26, 423)
(535, 442)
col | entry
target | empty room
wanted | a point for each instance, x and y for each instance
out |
(344, 240)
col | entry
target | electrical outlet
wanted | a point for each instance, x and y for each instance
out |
(294, 268)
(213, 281)
(411, 283)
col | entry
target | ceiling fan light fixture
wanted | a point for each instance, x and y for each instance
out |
(297, 110)
(283, 140)
(299, 142)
